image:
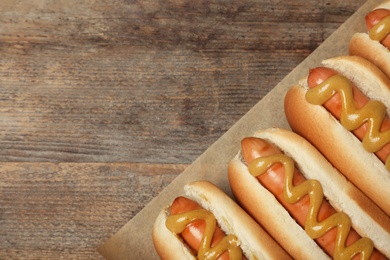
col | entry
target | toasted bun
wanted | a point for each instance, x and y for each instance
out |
(368, 220)
(255, 242)
(365, 75)
(269, 213)
(162, 236)
(337, 144)
(361, 45)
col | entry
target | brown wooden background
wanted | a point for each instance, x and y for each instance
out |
(104, 102)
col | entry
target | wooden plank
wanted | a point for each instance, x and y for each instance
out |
(104, 102)
(54, 210)
(114, 80)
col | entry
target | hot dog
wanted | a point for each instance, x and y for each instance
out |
(282, 181)
(179, 230)
(375, 45)
(356, 142)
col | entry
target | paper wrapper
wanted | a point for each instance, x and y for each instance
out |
(134, 240)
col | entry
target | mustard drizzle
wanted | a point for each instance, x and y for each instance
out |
(178, 222)
(313, 189)
(351, 118)
(380, 31)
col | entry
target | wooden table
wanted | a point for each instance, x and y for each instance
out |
(104, 102)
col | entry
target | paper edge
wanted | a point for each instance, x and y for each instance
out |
(115, 243)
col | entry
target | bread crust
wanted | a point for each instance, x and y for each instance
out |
(368, 220)
(338, 145)
(361, 45)
(255, 242)
(365, 75)
(270, 214)
(160, 236)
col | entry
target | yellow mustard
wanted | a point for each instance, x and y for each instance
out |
(352, 118)
(380, 31)
(313, 189)
(178, 222)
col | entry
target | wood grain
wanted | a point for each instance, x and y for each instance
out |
(104, 102)
(66, 210)
(102, 80)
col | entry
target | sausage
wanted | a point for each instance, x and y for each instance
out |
(342, 107)
(373, 43)
(308, 206)
(335, 103)
(376, 16)
(206, 223)
(194, 231)
(253, 148)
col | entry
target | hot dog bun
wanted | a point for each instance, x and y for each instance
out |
(337, 144)
(361, 45)
(368, 220)
(255, 242)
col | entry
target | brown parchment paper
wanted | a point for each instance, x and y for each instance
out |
(133, 240)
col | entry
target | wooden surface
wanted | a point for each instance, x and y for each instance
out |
(104, 102)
